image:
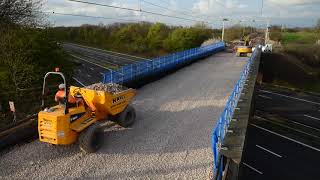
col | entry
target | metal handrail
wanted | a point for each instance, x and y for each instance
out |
(221, 126)
(160, 64)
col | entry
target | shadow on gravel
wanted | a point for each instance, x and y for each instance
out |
(160, 132)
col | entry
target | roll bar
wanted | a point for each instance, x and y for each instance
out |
(66, 109)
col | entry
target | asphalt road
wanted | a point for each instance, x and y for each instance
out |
(298, 107)
(103, 57)
(92, 63)
(87, 72)
(283, 140)
(171, 138)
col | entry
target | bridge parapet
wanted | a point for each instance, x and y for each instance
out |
(133, 72)
(229, 133)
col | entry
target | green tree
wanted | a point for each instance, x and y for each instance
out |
(132, 37)
(23, 12)
(157, 34)
(233, 33)
(185, 38)
(26, 55)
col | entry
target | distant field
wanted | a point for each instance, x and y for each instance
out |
(301, 50)
(300, 37)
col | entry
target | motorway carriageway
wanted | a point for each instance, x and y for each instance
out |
(171, 138)
(92, 63)
(283, 139)
(102, 56)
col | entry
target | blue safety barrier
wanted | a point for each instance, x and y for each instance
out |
(146, 68)
(220, 128)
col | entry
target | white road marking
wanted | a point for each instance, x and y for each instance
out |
(79, 70)
(78, 81)
(301, 124)
(311, 117)
(290, 97)
(99, 59)
(305, 125)
(88, 75)
(266, 97)
(269, 151)
(90, 62)
(285, 137)
(92, 69)
(101, 73)
(288, 127)
(87, 47)
(252, 168)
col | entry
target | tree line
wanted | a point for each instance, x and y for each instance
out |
(144, 39)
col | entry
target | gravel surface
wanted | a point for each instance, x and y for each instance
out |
(170, 139)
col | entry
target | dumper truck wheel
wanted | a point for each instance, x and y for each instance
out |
(127, 117)
(90, 139)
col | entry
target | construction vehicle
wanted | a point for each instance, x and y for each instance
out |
(245, 49)
(66, 123)
(267, 48)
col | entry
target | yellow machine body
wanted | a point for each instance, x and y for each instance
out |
(244, 50)
(56, 127)
(104, 103)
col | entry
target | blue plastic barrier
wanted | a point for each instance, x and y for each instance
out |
(160, 64)
(219, 130)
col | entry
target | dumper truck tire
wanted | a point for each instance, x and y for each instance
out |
(90, 139)
(127, 117)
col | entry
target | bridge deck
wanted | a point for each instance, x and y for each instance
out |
(170, 139)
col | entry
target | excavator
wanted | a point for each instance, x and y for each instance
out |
(245, 49)
(67, 123)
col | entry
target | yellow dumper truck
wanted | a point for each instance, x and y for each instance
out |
(66, 123)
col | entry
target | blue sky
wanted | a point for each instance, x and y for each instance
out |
(289, 13)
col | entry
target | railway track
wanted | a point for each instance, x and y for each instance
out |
(21, 131)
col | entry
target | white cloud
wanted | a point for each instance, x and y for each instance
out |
(220, 9)
(292, 9)
(293, 2)
(276, 10)
(67, 7)
(241, 6)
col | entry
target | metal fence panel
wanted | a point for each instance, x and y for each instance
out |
(160, 64)
(220, 128)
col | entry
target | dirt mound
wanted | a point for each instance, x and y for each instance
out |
(210, 41)
(286, 68)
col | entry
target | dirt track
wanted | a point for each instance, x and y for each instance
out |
(170, 140)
